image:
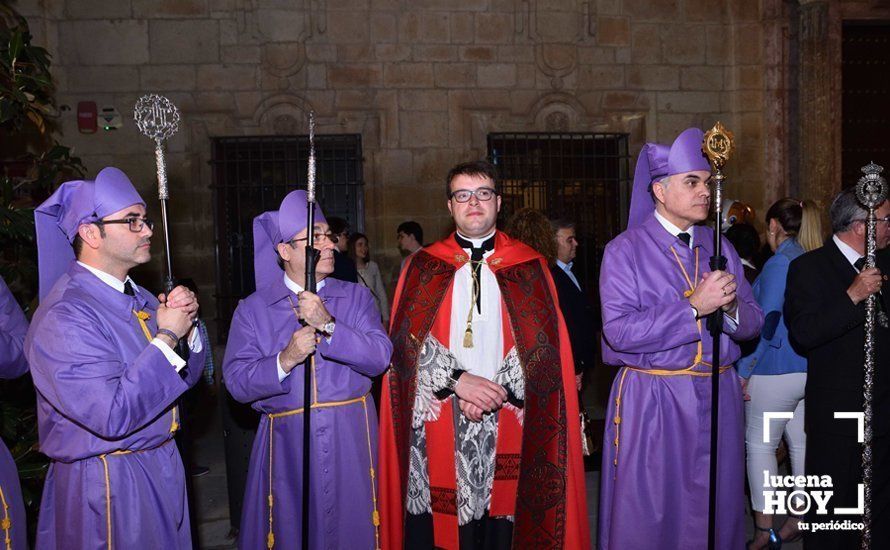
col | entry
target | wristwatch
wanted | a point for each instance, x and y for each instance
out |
(694, 310)
(451, 381)
(328, 328)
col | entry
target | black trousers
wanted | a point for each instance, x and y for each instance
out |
(841, 458)
(482, 534)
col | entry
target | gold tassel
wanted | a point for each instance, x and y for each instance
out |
(468, 334)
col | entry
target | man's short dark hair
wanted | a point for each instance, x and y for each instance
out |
(77, 245)
(561, 223)
(411, 228)
(338, 225)
(476, 168)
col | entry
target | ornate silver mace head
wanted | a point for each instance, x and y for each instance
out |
(871, 189)
(156, 117)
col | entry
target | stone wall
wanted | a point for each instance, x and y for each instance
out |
(423, 81)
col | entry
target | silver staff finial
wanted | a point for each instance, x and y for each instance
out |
(310, 179)
(158, 119)
(871, 191)
(156, 116)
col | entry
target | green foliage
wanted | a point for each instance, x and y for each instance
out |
(26, 86)
(32, 163)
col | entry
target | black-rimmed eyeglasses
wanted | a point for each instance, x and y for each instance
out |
(483, 194)
(317, 236)
(135, 223)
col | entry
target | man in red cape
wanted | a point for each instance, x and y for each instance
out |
(480, 443)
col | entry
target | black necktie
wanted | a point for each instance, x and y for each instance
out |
(860, 263)
(476, 255)
(686, 238)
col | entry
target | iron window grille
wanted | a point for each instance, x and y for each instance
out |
(252, 175)
(582, 177)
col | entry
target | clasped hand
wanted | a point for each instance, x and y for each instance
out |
(866, 283)
(716, 290)
(477, 395)
(178, 311)
(312, 311)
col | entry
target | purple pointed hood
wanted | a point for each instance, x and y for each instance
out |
(73, 204)
(657, 161)
(277, 226)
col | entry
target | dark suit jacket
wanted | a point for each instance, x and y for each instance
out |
(581, 319)
(828, 330)
(344, 268)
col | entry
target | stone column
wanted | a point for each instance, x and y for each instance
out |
(820, 117)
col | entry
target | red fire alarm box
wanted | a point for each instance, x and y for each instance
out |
(86, 117)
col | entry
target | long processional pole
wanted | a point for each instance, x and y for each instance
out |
(311, 260)
(871, 191)
(718, 146)
(158, 119)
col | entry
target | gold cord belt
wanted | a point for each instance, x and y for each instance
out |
(688, 371)
(375, 516)
(6, 523)
(102, 457)
(691, 284)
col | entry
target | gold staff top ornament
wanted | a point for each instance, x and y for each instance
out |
(718, 145)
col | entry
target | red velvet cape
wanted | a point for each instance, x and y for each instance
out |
(539, 472)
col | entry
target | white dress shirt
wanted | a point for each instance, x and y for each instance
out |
(487, 353)
(849, 253)
(567, 267)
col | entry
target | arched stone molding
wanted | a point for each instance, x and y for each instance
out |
(556, 29)
(277, 109)
(478, 117)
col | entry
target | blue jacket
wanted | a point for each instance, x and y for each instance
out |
(774, 354)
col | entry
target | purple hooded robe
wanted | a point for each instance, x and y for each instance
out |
(656, 448)
(105, 396)
(13, 327)
(344, 421)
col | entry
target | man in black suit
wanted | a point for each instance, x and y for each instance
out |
(344, 267)
(825, 311)
(579, 314)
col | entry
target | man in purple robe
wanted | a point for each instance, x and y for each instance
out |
(656, 292)
(273, 332)
(101, 351)
(13, 327)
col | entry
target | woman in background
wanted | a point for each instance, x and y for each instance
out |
(369, 272)
(774, 376)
